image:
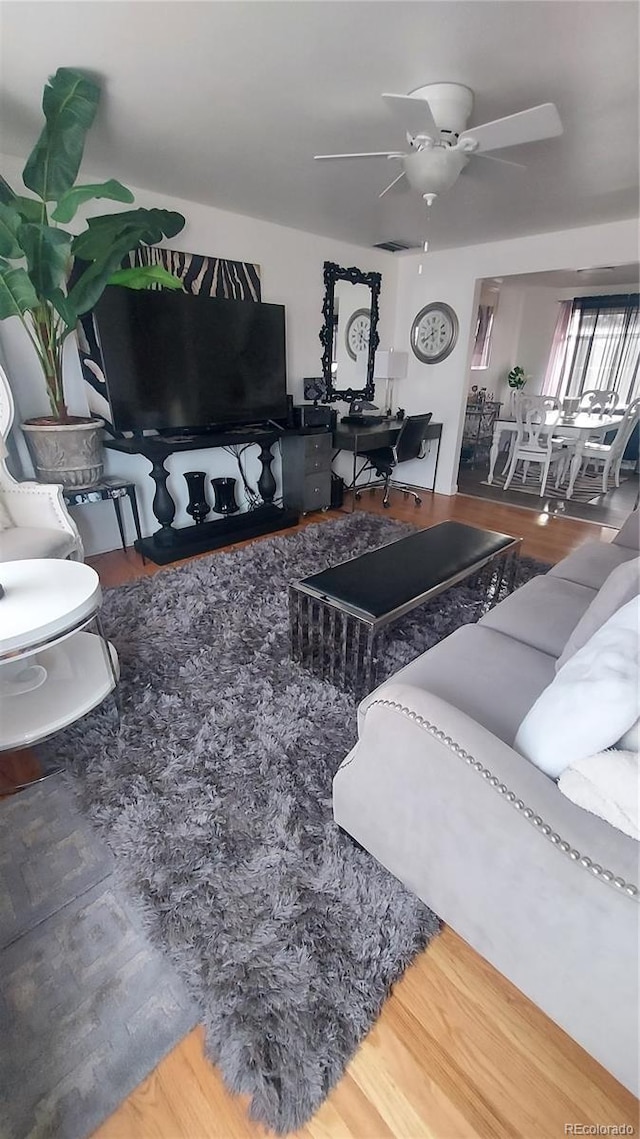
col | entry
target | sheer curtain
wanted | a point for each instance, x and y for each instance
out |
(553, 374)
(601, 349)
(482, 338)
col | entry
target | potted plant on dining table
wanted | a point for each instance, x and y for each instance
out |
(50, 277)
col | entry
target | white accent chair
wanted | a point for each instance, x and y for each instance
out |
(535, 442)
(610, 455)
(34, 520)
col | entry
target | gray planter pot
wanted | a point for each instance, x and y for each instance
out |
(67, 453)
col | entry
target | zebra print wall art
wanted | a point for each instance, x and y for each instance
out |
(209, 276)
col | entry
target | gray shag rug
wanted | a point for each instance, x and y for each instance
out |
(215, 798)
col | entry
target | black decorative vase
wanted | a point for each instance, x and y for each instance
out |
(198, 506)
(225, 496)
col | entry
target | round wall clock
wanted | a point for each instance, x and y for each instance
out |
(356, 336)
(434, 332)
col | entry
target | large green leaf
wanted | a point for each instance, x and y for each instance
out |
(6, 193)
(30, 209)
(10, 221)
(48, 254)
(17, 294)
(64, 308)
(143, 276)
(92, 282)
(74, 198)
(141, 227)
(69, 102)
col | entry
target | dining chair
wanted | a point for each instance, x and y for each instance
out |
(534, 441)
(518, 401)
(598, 402)
(610, 455)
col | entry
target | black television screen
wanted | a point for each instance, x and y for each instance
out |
(177, 361)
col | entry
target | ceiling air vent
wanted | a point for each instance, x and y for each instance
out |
(394, 246)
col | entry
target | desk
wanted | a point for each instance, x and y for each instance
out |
(581, 428)
(358, 437)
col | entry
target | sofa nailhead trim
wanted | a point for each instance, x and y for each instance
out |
(583, 860)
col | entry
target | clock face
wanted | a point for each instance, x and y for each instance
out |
(434, 333)
(357, 332)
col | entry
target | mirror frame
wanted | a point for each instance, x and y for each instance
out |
(333, 273)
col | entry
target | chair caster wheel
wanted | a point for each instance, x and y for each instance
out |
(358, 496)
(386, 505)
(418, 502)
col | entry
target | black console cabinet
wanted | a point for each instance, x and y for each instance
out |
(170, 543)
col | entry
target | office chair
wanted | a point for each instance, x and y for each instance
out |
(409, 445)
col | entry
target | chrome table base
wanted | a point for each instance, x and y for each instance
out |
(345, 648)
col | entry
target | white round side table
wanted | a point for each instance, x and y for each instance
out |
(53, 668)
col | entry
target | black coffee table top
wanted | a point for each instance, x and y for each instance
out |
(384, 581)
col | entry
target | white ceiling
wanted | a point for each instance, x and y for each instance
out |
(627, 276)
(225, 103)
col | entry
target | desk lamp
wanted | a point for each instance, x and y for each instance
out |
(390, 366)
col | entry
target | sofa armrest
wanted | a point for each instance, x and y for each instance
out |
(629, 533)
(403, 717)
(491, 845)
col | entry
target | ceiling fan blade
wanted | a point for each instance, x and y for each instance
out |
(414, 115)
(387, 188)
(525, 126)
(502, 161)
(366, 154)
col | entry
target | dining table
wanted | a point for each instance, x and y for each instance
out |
(577, 429)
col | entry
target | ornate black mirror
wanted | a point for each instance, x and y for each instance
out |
(349, 334)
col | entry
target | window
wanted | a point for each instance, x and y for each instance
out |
(600, 349)
(482, 338)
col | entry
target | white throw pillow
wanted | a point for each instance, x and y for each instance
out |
(622, 584)
(591, 702)
(608, 785)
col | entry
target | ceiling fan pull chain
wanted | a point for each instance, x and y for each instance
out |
(427, 226)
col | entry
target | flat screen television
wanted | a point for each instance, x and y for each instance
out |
(175, 361)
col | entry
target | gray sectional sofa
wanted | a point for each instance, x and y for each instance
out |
(541, 888)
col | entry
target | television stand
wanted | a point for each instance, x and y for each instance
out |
(170, 543)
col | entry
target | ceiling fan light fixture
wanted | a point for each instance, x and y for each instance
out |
(432, 172)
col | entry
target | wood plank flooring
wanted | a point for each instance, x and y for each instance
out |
(457, 1052)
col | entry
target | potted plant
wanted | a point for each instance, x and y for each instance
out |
(50, 276)
(517, 378)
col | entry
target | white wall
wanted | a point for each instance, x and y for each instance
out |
(454, 275)
(504, 339)
(291, 273)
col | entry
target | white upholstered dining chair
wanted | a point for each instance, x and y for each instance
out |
(34, 520)
(534, 442)
(610, 455)
(598, 402)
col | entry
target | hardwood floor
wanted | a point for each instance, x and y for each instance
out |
(457, 1052)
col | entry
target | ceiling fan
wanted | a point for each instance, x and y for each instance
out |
(440, 145)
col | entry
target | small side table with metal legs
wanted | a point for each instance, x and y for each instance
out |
(114, 489)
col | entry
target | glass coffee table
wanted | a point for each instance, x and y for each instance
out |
(338, 616)
(55, 661)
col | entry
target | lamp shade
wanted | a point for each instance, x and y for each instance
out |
(390, 365)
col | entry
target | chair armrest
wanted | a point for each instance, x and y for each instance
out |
(40, 505)
(405, 720)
